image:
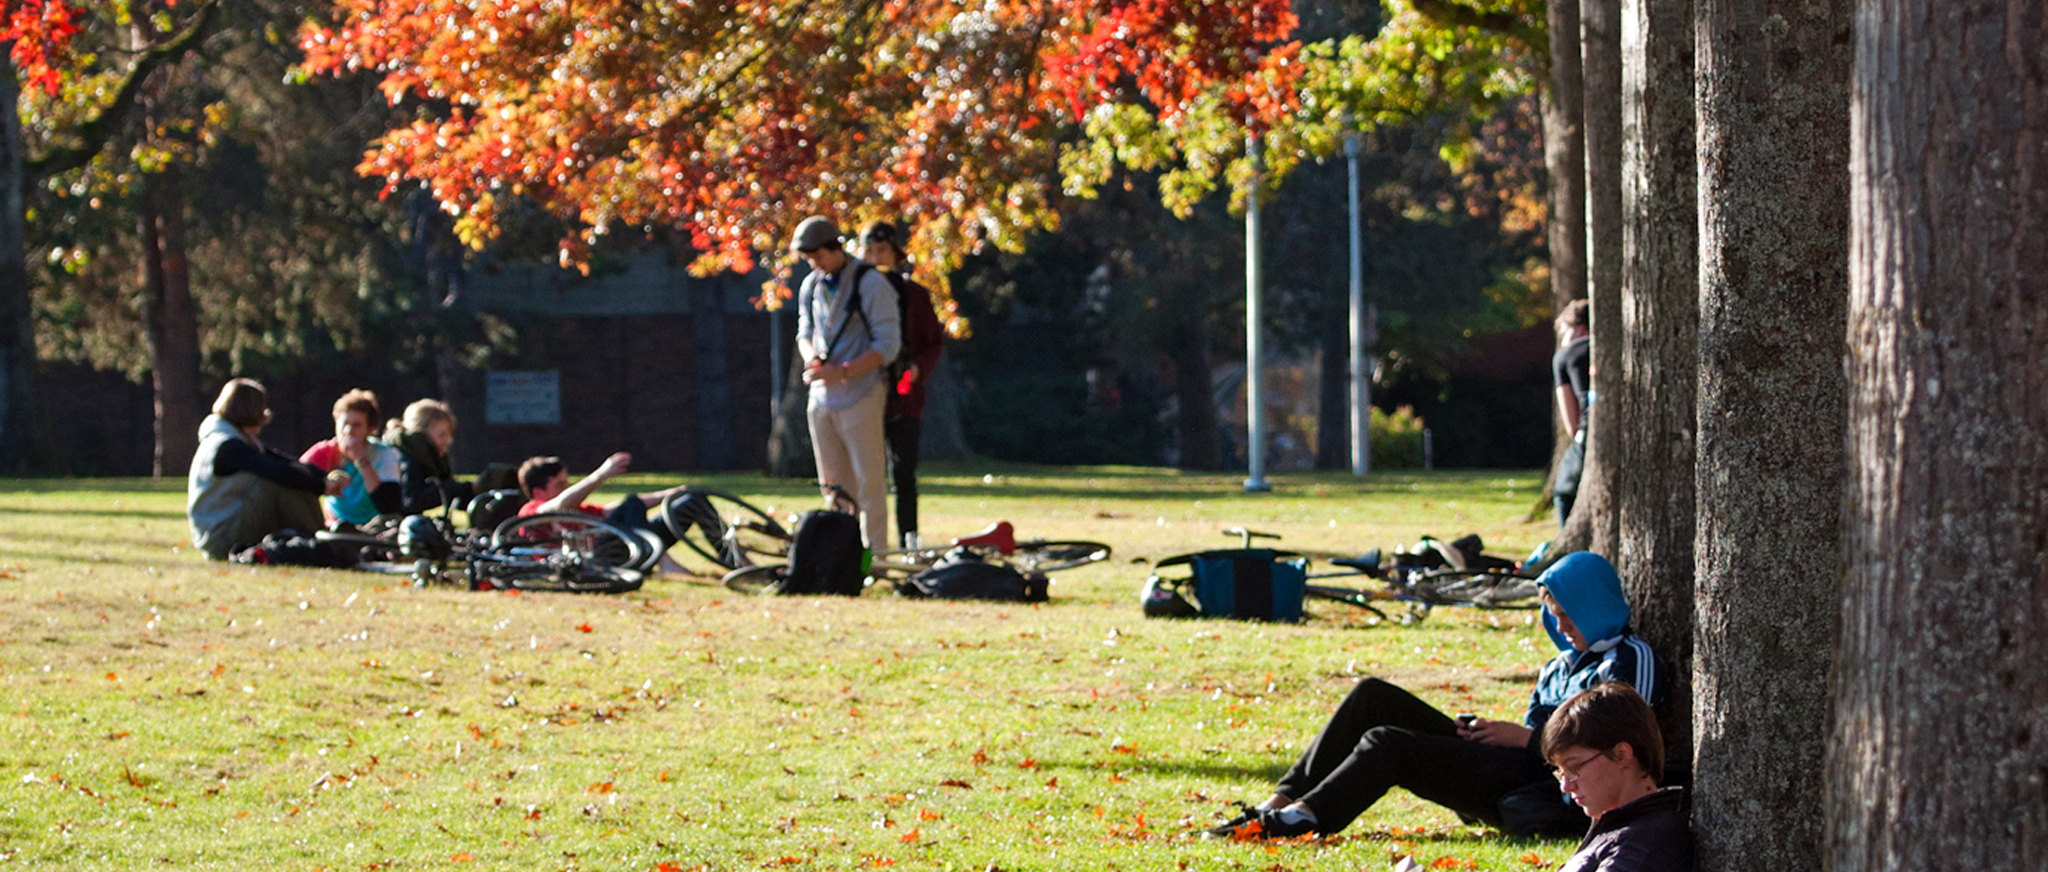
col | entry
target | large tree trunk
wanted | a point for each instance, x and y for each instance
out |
(1564, 157)
(789, 435)
(1594, 525)
(1936, 759)
(1774, 199)
(171, 321)
(17, 319)
(1199, 446)
(1659, 353)
(1564, 161)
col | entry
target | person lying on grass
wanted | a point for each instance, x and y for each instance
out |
(545, 481)
(1383, 737)
(241, 490)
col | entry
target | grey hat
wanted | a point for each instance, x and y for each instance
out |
(814, 233)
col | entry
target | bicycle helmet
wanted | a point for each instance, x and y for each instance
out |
(419, 539)
(1161, 598)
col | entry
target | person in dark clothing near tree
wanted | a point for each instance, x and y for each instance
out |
(1607, 751)
(1383, 737)
(881, 244)
(1572, 370)
(240, 490)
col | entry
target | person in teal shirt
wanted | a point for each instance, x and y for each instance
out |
(368, 470)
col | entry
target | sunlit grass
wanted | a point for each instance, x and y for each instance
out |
(160, 711)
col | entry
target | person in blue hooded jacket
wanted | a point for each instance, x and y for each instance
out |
(1383, 737)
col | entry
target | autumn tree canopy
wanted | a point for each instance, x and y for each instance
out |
(730, 120)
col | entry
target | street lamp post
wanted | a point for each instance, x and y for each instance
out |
(1254, 318)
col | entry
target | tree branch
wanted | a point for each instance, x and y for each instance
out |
(91, 136)
(1450, 13)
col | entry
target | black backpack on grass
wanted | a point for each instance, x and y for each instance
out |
(826, 555)
(962, 574)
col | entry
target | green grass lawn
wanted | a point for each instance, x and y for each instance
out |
(159, 711)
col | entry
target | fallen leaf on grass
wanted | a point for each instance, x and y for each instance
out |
(925, 814)
(955, 782)
(585, 627)
(912, 836)
(1533, 860)
(461, 858)
(1028, 763)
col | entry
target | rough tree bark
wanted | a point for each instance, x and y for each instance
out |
(1594, 525)
(1659, 355)
(17, 322)
(1564, 157)
(1564, 161)
(1936, 759)
(1774, 196)
(171, 322)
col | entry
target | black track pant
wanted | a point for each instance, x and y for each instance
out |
(902, 433)
(1383, 737)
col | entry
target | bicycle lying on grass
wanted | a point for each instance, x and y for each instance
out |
(556, 551)
(998, 543)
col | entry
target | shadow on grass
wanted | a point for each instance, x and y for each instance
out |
(143, 514)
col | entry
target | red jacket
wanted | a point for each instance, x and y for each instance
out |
(922, 340)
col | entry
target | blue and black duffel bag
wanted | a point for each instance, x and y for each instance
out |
(1252, 583)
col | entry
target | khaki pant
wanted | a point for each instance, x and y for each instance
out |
(852, 453)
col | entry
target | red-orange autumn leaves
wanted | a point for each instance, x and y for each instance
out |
(730, 120)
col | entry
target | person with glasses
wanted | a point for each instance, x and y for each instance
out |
(1608, 754)
(1383, 737)
(843, 365)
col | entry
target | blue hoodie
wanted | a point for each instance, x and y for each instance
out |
(1587, 588)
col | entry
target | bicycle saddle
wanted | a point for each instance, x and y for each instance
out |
(1368, 563)
(1000, 535)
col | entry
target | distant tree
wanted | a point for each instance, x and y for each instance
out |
(1773, 273)
(75, 103)
(730, 121)
(1936, 753)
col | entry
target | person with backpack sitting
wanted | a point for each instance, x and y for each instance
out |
(545, 481)
(848, 331)
(1382, 737)
(881, 244)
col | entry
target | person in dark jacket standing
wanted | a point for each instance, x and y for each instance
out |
(1383, 737)
(881, 244)
(1607, 752)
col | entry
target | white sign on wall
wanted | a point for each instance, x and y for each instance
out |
(523, 396)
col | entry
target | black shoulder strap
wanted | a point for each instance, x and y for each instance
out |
(855, 308)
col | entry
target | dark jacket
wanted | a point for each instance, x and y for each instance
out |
(922, 339)
(427, 473)
(1589, 590)
(1648, 835)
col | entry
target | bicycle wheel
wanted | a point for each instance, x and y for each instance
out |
(1413, 610)
(754, 580)
(1039, 555)
(563, 539)
(583, 578)
(1483, 590)
(723, 528)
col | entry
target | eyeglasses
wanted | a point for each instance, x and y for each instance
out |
(1567, 771)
